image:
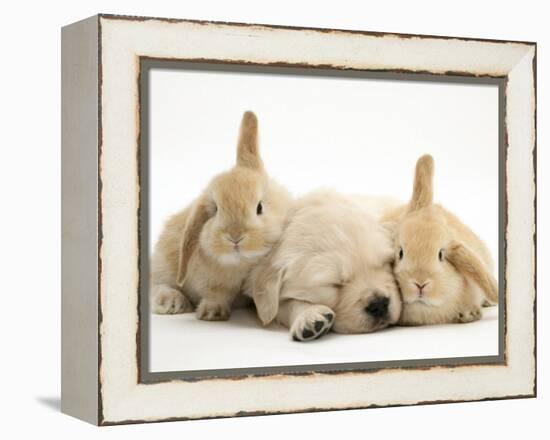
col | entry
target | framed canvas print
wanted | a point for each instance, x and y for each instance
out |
(264, 219)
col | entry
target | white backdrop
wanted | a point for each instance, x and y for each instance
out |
(30, 231)
(355, 135)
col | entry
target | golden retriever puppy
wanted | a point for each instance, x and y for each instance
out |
(332, 269)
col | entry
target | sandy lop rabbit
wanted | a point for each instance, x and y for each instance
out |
(331, 269)
(205, 251)
(443, 268)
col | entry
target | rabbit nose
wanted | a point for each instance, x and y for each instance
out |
(421, 286)
(378, 307)
(234, 240)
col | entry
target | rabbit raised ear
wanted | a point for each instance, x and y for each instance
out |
(248, 153)
(200, 213)
(469, 265)
(265, 292)
(422, 195)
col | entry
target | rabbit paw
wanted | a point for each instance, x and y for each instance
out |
(166, 301)
(312, 323)
(213, 311)
(469, 315)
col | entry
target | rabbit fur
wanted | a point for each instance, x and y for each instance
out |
(206, 250)
(444, 270)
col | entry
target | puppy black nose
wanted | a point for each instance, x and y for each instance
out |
(378, 307)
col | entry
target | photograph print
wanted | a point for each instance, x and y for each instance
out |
(317, 220)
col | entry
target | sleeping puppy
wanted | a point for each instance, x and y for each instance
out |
(332, 269)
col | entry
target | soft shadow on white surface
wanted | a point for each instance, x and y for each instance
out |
(52, 403)
(181, 342)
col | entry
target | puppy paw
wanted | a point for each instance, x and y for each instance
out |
(166, 301)
(312, 323)
(469, 315)
(213, 311)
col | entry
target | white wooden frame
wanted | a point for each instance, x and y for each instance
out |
(101, 202)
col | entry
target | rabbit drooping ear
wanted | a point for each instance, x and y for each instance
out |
(423, 183)
(199, 215)
(265, 293)
(469, 265)
(248, 153)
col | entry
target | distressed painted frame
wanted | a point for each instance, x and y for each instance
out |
(101, 133)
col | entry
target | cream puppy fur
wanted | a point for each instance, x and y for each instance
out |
(205, 251)
(330, 270)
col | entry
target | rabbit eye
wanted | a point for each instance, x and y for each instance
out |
(400, 253)
(260, 209)
(440, 255)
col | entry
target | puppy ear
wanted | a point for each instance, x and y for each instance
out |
(469, 264)
(422, 195)
(265, 293)
(248, 153)
(200, 213)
